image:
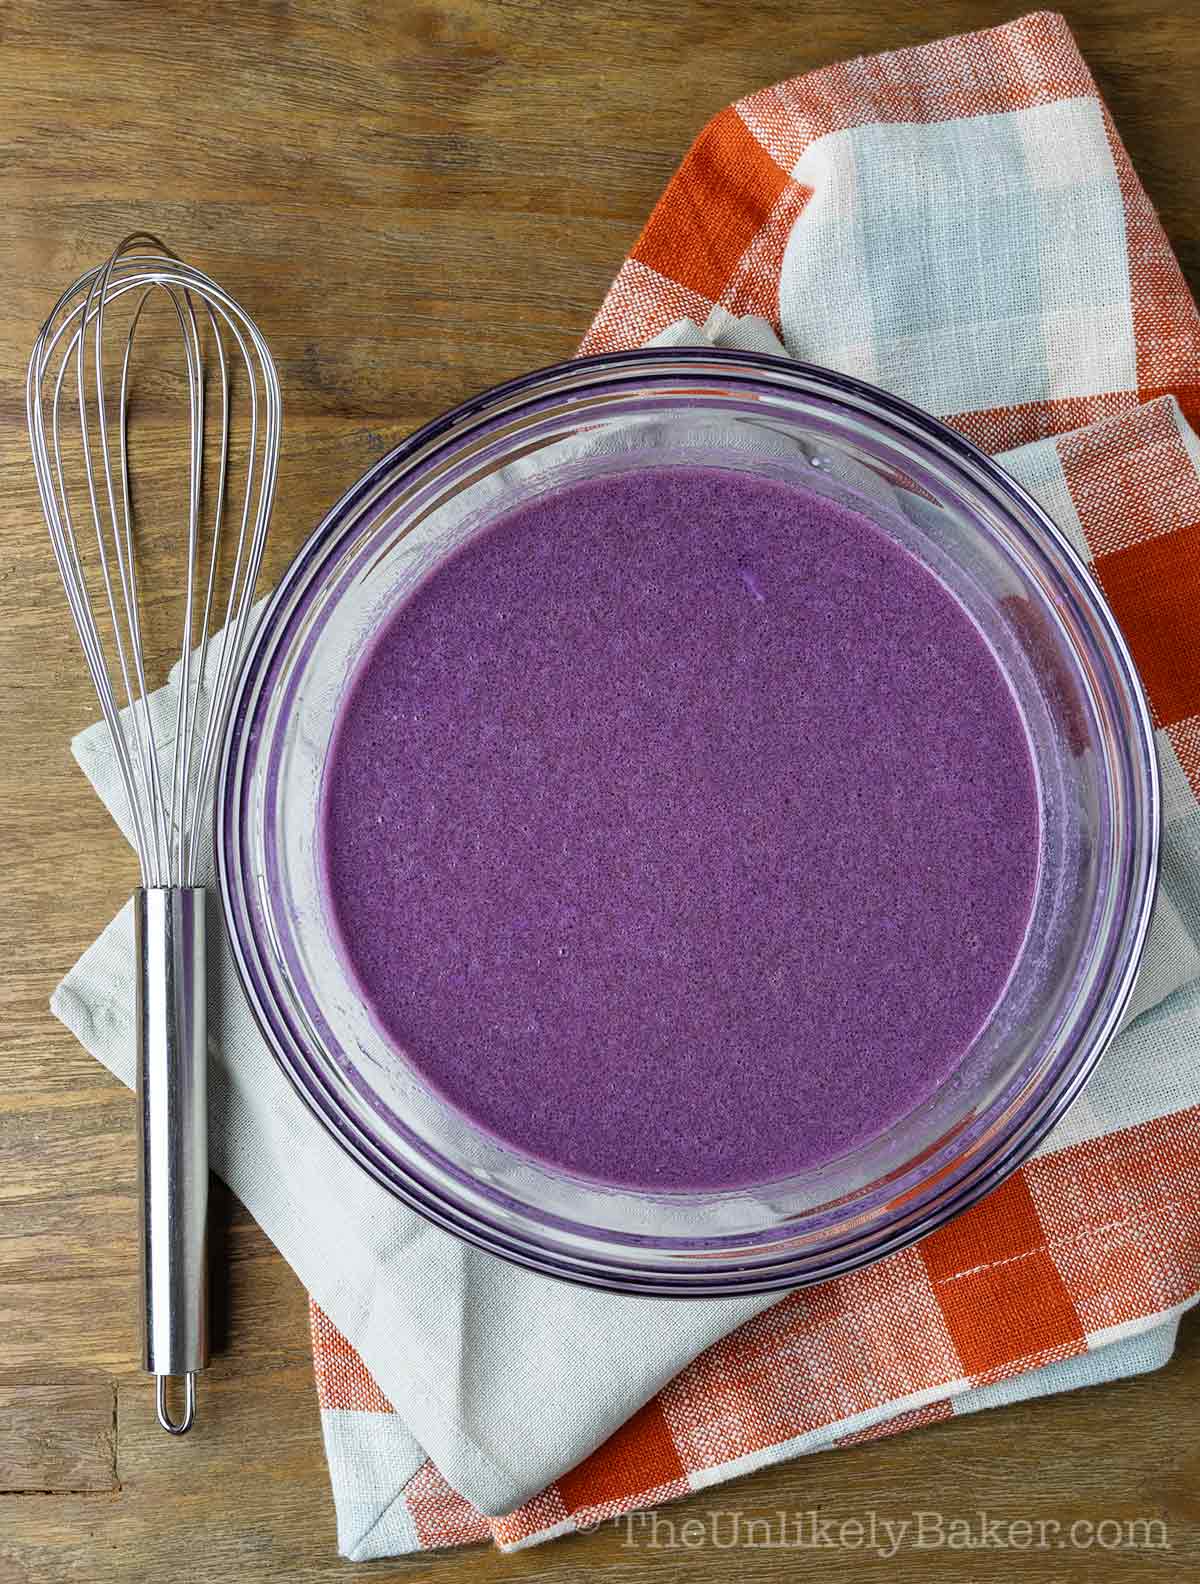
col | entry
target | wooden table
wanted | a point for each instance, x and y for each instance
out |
(415, 201)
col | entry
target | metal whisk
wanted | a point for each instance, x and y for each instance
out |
(80, 441)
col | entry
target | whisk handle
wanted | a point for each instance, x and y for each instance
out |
(172, 1092)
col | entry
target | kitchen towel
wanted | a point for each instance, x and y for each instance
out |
(961, 224)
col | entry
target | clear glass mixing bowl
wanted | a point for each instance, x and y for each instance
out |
(1029, 594)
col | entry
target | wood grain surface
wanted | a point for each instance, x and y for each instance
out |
(415, 200)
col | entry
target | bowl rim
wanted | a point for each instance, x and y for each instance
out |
(753, 1273)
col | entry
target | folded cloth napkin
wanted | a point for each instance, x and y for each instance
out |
(961, 224)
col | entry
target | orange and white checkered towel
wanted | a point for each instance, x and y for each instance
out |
(961, 224)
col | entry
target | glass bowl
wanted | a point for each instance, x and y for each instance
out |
(1029, 594)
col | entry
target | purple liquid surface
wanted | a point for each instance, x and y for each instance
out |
(681, 829)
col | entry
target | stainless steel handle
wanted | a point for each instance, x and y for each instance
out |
(172, 1092)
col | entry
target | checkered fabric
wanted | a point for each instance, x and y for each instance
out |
(961, 224)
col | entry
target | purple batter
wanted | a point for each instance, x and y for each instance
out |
(681, 829)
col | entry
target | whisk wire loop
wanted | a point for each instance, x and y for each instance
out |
(168, 806)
